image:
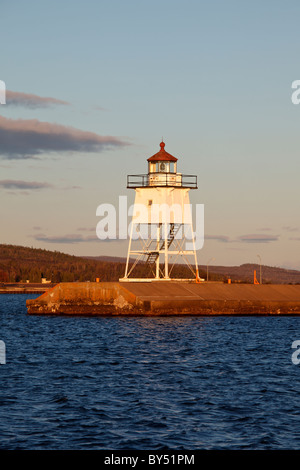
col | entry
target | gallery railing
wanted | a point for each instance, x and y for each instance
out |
(162, 180)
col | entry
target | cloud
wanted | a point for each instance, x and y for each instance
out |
(19, 184)
(65, 238)
(27, 100)
(22, 139)
(218, 238)
(290, 229)
(24, 186)
(71, 187)
(99, 108)
(85, 229)
(254, 238)
(71, 238)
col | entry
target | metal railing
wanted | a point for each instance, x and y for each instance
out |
(162, 180)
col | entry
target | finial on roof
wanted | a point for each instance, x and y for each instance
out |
(162, 155)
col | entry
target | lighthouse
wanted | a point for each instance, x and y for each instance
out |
(161, 221)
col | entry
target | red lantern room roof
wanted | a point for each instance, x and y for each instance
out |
(162, 155)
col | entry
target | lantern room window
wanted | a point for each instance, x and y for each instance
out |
(163, 167)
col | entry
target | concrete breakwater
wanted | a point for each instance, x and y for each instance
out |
(24, 288)
(166, 298)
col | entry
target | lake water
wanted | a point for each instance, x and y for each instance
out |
(147, 383)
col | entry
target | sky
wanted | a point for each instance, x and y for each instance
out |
(92, 87)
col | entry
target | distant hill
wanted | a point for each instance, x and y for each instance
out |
(245, 273)
(111, 259)
(19, 263)
(242, 273)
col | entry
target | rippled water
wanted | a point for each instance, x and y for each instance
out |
(147, 383)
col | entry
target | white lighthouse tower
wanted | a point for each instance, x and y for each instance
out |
(161, 221)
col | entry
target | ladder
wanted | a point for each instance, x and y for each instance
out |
(152, 257)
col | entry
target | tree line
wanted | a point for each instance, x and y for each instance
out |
(22, 264)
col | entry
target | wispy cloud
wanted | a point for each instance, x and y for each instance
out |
(71, 187)
(218, 238)
(24, 187)
(27, 100)
(65, 238)
(257, 238)
(19, 184)
(22, 139)
(252, 238)
(290, 229)
(73, 238)
(99, 108)
(85, 229)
